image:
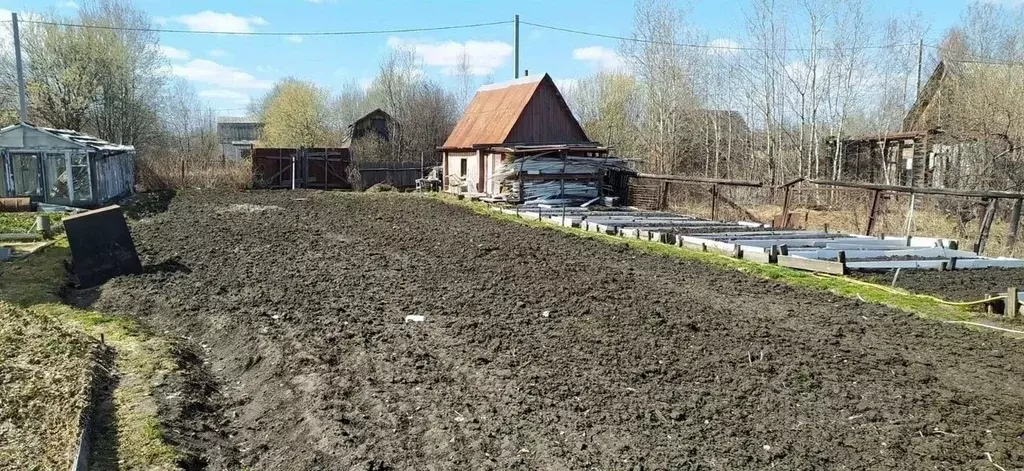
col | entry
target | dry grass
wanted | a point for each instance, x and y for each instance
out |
(32, 286)
(166, 174)
(45, 376)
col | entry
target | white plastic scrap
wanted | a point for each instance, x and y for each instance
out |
(415, 318)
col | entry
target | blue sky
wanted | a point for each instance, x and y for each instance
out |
(228, 70)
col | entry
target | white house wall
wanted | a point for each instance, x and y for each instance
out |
(454, 181)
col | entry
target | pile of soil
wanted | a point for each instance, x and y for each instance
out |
(540, 350)
(957, 285)
(381, 188)
(147, 204)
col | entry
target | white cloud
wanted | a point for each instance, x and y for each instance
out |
(600, 57)
(566, 85)
(221, 22)
(265, 69)
(217, 53)
(67, 4)
(723, 46)
(483, 56)
(174, 53)
(226, 95)
(221, 76)
(365, 83)
(293, 39)
(161, 20)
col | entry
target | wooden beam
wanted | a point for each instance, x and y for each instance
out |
(714, 202)
(920, 190)
(734, 205)
(1011, 304)
(663, 204)
(873, 214)
(986, 224)
(791, 182)
(1011, 237)
(821, 266)
(683, 178)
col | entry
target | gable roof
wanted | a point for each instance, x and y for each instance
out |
(495, 110)
(376, 112)
(953, 68)
(73, 137)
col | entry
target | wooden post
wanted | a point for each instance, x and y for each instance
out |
(1011, 237)
(842, 259)
(873, 214)
(952, 263)
(663, 204)
(714, 201)
(784, 249)
(1011, 304)
(986, 224)
(785, 206)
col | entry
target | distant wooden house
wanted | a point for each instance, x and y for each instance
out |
(525, 112)
(377, 124)
(961, 104)
(238, 136)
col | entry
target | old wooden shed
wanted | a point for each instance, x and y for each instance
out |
(529, 111)
(61, 166)
(375, 124)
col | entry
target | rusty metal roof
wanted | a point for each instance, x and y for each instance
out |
(493, 113)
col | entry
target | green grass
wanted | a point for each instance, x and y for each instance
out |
(16, 223)
(34, 284)
(924, 307)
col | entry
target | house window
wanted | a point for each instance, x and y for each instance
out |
(463, 163)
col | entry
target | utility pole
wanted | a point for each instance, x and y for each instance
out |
(23, 100)
(517, 46)
(920, 61)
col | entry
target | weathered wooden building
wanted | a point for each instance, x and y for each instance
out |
(529, 111)
(963, 110)
(60, 166)
(375, 124)
(238, 136)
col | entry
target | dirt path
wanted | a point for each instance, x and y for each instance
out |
(640, 362)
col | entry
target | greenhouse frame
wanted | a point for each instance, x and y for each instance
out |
(37, 161)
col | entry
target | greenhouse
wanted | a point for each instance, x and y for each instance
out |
(60, 166)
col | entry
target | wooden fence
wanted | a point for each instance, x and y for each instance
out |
(318, 168)
(397, 174)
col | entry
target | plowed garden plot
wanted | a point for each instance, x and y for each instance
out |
(541, 350)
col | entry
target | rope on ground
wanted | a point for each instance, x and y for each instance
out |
(923, 296)
(979, 324)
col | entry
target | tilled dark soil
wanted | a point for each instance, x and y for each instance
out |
(545, 351)
(957, 285)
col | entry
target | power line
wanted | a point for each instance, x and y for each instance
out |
(973, 59)
(269, 33)
(701, 46)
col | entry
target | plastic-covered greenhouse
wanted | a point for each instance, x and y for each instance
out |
(60, 166)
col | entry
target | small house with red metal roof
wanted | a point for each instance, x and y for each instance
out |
(509, 120)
